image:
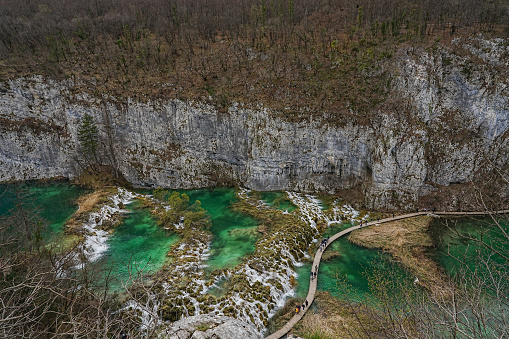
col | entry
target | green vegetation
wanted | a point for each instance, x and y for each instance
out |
(88, 140)
(474, 253)
(293, 236)
(397, 306)
(193, 216)
(275, 199)
(87, 136)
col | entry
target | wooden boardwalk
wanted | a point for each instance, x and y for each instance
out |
(318, 257)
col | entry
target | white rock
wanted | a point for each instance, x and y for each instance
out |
(219, 327)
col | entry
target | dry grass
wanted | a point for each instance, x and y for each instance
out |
(101, 176)
(407, 240)
(86, 204)
(401, 233)
(325, 326)
(333, 318)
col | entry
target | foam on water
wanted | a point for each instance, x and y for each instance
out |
(270, 274)
(148, 312)
(95, 243)
(309, 207)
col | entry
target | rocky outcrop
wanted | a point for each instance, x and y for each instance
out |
(446, 123)
(209, 326)
(450, 123)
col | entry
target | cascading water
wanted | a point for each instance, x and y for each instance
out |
(210, 262)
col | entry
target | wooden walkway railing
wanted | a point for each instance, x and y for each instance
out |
(318, 256)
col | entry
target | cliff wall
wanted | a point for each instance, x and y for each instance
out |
(446, 123)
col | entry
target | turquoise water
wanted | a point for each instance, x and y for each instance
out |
(356, 266)
(234, 234)
(346, 276)
(278, 200)
(54, 201)
(137, 245)
(480, 269)
(350, 270)
(140, 242)
(219, 289)
(137, 241)
(450, 246)
(325, 203)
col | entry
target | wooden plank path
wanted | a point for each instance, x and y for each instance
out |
(318, 256)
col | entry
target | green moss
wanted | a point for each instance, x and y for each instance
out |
(205, 326)
(170, 313)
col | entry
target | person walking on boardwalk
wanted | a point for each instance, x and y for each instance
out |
(306, 303)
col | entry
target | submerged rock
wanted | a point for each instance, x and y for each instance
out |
(210, 326)
(327, 255)
(244, 232)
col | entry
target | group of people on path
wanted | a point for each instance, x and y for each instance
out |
(299, 307)
(313, 274)
(367, 221)
(323, 244)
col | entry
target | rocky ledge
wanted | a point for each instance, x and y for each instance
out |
(210, 326)
(441, 137)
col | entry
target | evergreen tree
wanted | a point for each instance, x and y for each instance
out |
(88, 137)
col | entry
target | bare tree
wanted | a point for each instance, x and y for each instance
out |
(474, 303)
(44, 295)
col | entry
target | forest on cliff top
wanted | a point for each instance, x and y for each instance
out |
(294, 56)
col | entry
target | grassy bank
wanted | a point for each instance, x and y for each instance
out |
(327, 318)
(86, 204)
(408, 241)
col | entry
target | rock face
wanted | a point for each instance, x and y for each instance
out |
(447, 123)
(210, 326)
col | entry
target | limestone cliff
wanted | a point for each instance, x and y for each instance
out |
(447, 122)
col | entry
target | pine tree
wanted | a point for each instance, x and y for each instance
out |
(88, 137)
